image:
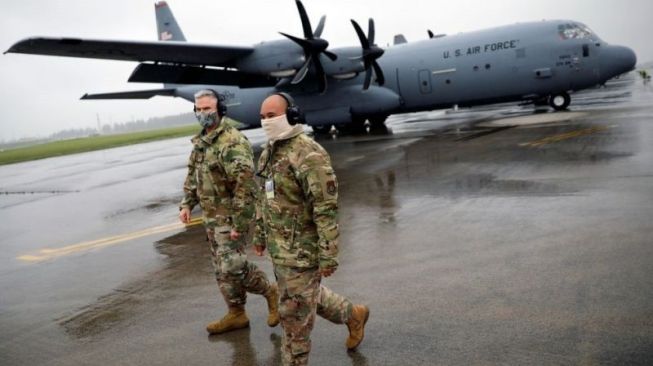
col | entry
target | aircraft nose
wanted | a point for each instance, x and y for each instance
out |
(618, 60)
(628, 58)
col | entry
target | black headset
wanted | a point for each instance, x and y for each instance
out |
(293, 112)
(222, 107)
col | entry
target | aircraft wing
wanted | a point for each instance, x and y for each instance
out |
(134, 94)
(169, 51)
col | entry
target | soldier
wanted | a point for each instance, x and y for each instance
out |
(221, 179)
(297, 222)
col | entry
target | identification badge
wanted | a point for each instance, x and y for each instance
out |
(269, 189)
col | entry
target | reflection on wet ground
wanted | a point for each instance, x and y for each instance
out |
(497, 235)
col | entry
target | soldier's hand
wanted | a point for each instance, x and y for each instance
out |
(184, 215)
(326, 272)
(259, 250)
(234, 235)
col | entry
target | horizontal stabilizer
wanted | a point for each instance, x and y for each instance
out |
(171, 74)
(136, 94)
(175, 52)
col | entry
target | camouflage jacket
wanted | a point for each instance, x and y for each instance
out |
(221, 177)
(297, 216)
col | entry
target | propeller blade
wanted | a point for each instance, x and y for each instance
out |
(301, 42)
(370, 32)
(361, 35)
(321, 75)
(368, 79)
(301, 74)
(320, 27)
(379, 73)
(332, 56)
(431, 35)
(306, 23)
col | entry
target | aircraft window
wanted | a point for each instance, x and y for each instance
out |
(487, 66)
(448, 81)
(475, 68)
(574, 31)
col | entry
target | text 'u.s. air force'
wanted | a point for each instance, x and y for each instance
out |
(475, 50)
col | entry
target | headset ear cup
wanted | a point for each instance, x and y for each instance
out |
(294, 115)
(222, 107)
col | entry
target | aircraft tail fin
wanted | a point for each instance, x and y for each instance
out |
(399, 39)
(167, 27)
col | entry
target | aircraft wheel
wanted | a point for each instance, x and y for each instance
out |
(377, 121)
(377, 125)
(321, 129)
(559, 101)
(355, 127)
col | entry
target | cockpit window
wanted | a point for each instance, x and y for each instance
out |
(574, 31)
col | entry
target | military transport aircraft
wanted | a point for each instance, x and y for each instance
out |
(528, 62)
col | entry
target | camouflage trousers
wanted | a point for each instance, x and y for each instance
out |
(301, 297)
(236, 276)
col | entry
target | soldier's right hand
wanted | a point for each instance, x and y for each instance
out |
(184, 215)
(259, 250)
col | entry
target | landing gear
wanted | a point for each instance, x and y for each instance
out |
(358, 125)
(355, 127)
(559, 101)
(377, 125)
(321, 129)
(377, 121)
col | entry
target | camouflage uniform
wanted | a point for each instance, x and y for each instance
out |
(221, 179)
(297, 221)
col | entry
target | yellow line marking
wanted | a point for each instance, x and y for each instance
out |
(565, 136)
(49, 253)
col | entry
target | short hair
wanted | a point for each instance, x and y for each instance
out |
(206, 93)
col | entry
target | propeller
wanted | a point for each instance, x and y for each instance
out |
(313, 46)
(371, 52)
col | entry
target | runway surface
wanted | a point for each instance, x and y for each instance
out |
(496, 235)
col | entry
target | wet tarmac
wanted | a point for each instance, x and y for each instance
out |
(495, 235)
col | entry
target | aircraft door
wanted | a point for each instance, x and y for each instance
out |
(425, 81)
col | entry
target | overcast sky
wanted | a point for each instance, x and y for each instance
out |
(40, 94)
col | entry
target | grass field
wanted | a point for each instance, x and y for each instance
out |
(67, 147)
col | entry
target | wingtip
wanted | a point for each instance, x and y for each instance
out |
(85, 96)
(11, 49)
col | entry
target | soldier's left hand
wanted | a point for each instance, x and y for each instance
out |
(234, 235)
(326, 272)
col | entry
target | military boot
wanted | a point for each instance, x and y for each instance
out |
(235, 319)
(356, 325)
(273, 305)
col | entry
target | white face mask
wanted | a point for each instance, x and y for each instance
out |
(276, 127)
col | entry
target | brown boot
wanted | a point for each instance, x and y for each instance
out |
(356, 325)
(273, 305)
(235, 319)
